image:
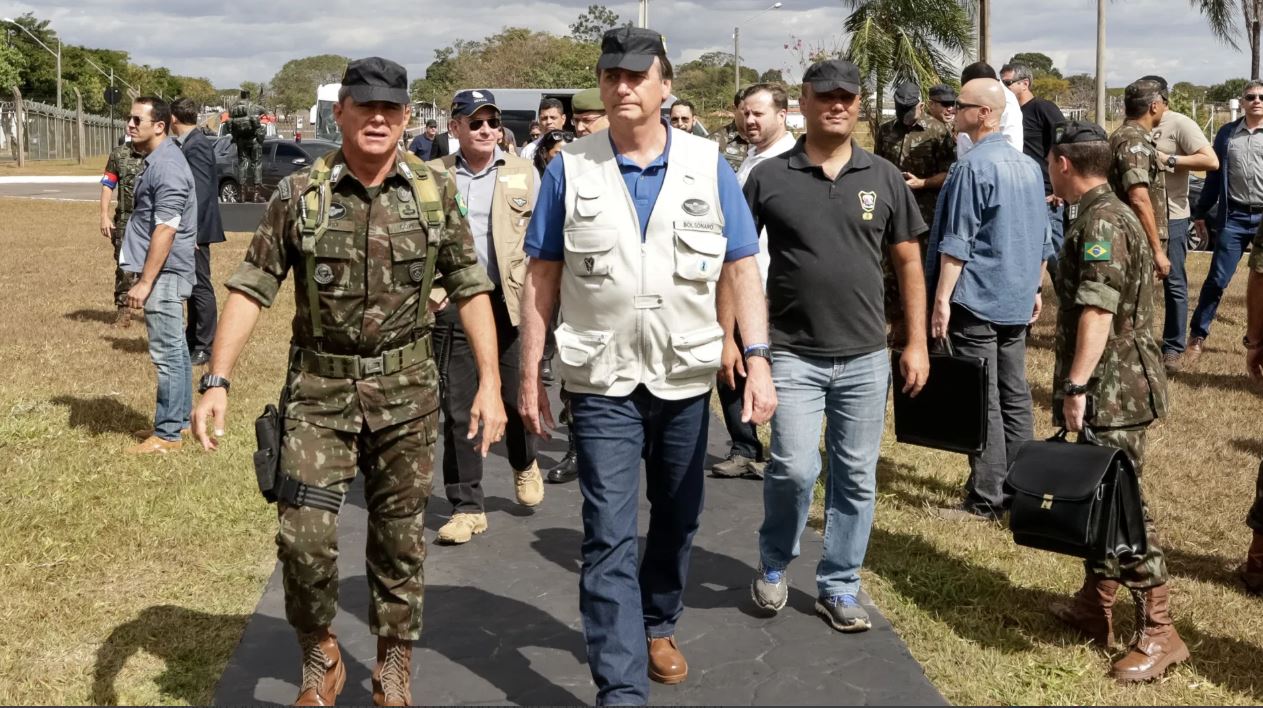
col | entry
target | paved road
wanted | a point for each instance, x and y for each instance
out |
(502, 616)
(236, 217)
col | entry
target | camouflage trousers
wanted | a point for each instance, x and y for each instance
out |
(1255, 518)
(1149, 570)
(250, 167)
(123, 281)
(397, 463)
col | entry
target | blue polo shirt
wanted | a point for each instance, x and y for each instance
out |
(544, 235)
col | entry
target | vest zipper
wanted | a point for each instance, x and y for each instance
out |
(640, 314)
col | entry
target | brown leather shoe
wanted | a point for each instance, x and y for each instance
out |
(392, 677)
(666, 663)
(153, 444)
(122, 318)
(1158, 646)
(1090, 610)
(1193, 352)
(1251, 571)
(324, 674)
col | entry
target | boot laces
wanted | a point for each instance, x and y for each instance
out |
(395, 670)
(314, 662)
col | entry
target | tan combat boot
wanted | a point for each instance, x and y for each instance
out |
(324, 674)
(1157, 645)
(1251, 571)
(529, 485)
(392, 677)
(462, 527)
(1090, 610)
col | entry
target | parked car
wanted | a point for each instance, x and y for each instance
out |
(1196, 242)
(280, 158)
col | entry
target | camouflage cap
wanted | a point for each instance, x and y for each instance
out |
(1143, 87)
(587, 100)
(1074, 131)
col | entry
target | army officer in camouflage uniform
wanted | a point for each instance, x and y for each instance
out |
(1134, 174)
(121, 169)
(1106, 353)
(362, 385)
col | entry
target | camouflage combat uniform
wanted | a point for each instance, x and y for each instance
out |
(123, 166)
(925, 148)
(249, 148)
(1136, 162)
(1106, 263)
(368, 271)
(731, 145)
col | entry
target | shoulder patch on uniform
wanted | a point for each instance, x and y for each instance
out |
(1139, 149)
(283, 190)
(1097, 251)
(460, 204)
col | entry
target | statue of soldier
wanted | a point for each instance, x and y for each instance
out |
(121, 169)
(248, 133)
(363, 231)
(1108, 376)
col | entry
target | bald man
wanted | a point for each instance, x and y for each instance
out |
(984, 265)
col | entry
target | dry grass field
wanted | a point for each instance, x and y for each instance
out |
(48, 168)
(130, 580)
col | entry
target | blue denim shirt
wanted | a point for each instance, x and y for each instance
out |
(164, 189)
(991, 214)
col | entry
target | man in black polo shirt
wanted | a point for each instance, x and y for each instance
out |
(830, 209)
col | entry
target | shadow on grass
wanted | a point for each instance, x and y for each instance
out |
(193, 645)
(901, 479)
(103, 414)
(92, 315)
(1206, 567)
(129, 345)
(1252, 446)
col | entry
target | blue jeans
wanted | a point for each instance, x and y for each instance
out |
(621, 607)
(1057, 220)
(850, 394)
(164, 318)
(1175, 289)
(1238, 230)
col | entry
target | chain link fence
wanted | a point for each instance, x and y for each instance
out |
(50, 133)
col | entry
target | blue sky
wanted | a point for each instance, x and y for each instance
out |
(230, 41)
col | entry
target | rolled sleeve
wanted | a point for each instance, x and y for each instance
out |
(743, 238)
(1097, 294)
(960, 215)
(171, 192)
(264, 268)
(252, 280)
(544, 235)
(1135, 176)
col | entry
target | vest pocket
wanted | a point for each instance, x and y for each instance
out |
(590, 252)
(699, 255)
(333, 261)
(407, 251)
(587, 352)
(696, 353)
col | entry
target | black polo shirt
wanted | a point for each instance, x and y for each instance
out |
(826, 239)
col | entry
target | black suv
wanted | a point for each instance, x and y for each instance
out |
(280, 158)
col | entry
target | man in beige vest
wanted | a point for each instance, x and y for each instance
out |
(497, 193)
(639, 228)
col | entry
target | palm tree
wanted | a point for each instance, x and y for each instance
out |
(1219, 15)
(893, 41)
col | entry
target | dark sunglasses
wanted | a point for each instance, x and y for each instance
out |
(477, 124)
(946, 104)
(1252, 97)
(1010, 82)
(962, 106)
(137, 120)
(559, 136)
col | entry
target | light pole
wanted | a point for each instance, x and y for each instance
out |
(1100, 62)
(736, 45)
(45, 46)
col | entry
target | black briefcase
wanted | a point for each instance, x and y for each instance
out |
(950, 413)
(1082, 500)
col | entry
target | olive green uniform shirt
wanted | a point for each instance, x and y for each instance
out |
(125, 163)
(925, 148)
(1136, 162)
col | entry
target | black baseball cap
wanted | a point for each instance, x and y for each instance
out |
(833, 74)
(907, 95)
(376, 79)
(1075, 131)
(466, 103)
(943, 93)
(630, 48)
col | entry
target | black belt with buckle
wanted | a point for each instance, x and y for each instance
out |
(1244, 208)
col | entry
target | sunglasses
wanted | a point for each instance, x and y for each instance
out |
(963, 106)
(947, 104)
(1010, 82)
(494, 123)
(137, 120)
(1252, 97)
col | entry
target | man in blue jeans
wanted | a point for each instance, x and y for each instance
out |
(830, 209)
(1236, 189)
(640, 228)
(159, 245)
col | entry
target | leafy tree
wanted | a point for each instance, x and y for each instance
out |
(294, 86)
(1039, 64)
(712, 59)
(1221, 93)
(1050, 87)
(200, 89)
(1081, 92)
(1219, 15)
(591, 25)
(710, 85)
(772, 76)
(514, 58)
(1192, 91)
(11, 64)
(39, 75)
(906, 40)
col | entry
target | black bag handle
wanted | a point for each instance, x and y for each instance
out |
(1086, 436)
(943, 345)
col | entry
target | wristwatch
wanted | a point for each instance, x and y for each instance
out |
(762, 350)
(210, 381)
(1073, 389)
(1171, 161)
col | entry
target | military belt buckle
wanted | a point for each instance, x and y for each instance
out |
(372, 366)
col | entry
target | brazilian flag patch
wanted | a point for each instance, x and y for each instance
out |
(460, 205)
(1096, 251)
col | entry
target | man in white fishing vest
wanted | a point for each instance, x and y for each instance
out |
(644, 232)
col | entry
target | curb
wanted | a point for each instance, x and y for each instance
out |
(18, 179)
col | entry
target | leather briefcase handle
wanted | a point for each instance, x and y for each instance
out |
(1086, 436)
(943, 345)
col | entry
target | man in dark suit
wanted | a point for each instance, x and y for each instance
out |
(200, 153)
(440, 147)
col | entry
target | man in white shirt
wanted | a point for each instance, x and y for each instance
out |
(762, 113)
(1010, 120)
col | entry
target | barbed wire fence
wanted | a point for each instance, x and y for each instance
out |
(30, 130)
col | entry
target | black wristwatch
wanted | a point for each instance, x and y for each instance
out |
(1073, 389)
(1171, 161)
(759, 350)
(210, 381)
